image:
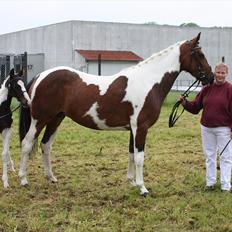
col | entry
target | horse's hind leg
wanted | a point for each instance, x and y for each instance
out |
(6, 158)
(27, 145)
(46, 145)
(131, 162)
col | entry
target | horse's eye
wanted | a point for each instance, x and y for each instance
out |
(201, 55)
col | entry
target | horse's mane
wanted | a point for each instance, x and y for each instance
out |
(157, 55)
(161, 53)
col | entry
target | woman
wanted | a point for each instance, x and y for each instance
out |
(216, 124)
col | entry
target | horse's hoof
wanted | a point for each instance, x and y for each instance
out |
(24, 183)
(6, 185)
(52, 179)
(145, 194)
(143, 191)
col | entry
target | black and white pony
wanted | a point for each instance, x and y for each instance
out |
(13, 86)
(129, 100)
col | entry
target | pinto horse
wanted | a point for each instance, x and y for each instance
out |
(129, 100)
(13, 86)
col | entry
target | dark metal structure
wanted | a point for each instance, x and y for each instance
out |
(9, 61)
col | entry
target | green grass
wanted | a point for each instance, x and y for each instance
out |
(92, 193)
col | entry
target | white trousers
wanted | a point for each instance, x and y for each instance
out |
(213, 142)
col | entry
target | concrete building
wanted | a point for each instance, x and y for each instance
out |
(61, 43)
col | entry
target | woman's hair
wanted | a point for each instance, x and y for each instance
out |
(221, 64)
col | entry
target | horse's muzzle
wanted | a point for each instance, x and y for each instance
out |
(208, 80)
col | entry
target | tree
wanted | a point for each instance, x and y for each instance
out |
(191, 24)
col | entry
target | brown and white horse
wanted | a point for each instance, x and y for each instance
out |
(129, 100)
(12, 86)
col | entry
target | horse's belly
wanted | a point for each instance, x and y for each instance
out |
(99, 124)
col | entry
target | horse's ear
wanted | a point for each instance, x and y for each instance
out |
(198, 36)
(195, 41)
(20, 73)
(12, 73)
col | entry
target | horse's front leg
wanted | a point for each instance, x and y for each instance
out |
(139, 135)
(131, 162)
(6, 158)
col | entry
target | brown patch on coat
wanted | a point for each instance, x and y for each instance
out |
(111, 108)
(64, 91)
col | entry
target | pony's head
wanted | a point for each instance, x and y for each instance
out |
(16, 87)
(193, 60)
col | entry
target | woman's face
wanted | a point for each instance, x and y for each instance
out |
(220, 74)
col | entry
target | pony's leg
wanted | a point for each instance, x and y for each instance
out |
(46, 145)
(131, 162)
(6, 159)
(139, 135)
(27, 145)
(6, 139)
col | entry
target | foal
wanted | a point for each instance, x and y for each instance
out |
(129, 100)
(13, 86)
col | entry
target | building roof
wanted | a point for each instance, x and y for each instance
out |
(107, 55)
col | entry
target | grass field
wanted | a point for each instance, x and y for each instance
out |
(92, 193)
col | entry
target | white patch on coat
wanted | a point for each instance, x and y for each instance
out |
(3, 91)
(100, 122)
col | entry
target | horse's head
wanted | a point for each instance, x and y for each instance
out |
(16, 87)
(193, 60)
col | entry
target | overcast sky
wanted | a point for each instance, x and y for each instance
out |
(18, 15)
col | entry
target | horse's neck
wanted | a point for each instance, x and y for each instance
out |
(160, 69)
(166, 84)
(5, 106)
(155, 67)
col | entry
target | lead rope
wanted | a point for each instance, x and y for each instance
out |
(173, 115)
(12, 111)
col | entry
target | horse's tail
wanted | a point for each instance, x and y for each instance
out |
(24, 126)
(25, 117)
(24, 122)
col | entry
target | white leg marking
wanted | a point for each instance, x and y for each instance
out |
(27, 145)
(139, 159)
(6, 159)
(46, 151)
(131, 170)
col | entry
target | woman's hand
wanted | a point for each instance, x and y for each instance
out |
(182, 100)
